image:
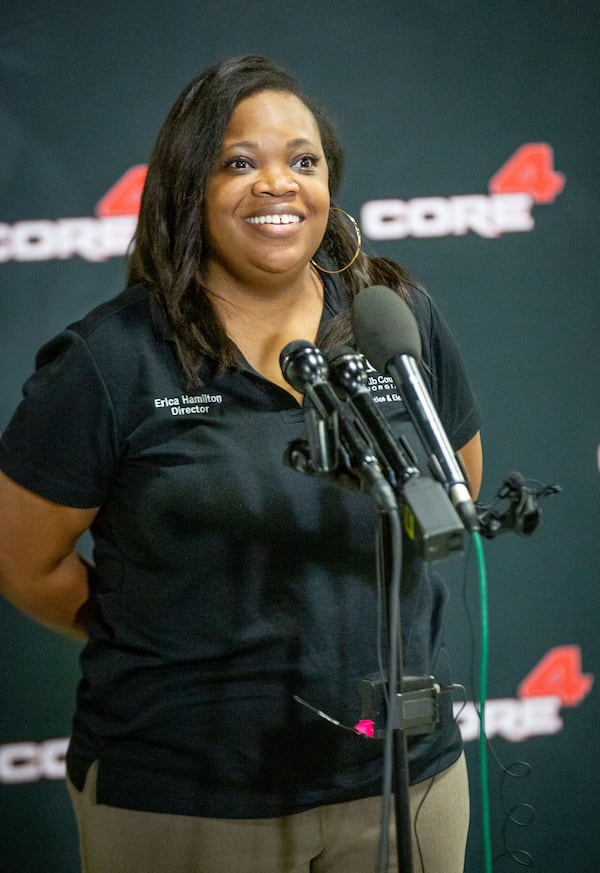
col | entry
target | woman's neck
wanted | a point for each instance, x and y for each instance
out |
(261, 323)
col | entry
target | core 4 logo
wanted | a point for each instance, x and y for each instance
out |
(554, 683)
(526, 178)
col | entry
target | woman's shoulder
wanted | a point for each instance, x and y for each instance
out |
(129, 310)
(112, 340)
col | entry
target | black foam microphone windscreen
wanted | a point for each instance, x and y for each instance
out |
(384, 326)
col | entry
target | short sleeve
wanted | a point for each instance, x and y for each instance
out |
(61, 442)
(446, 374)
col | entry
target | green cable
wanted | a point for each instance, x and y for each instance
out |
(484, 657)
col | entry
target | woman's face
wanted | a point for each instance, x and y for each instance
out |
(267, 200)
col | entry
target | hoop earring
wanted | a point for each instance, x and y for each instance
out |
(358, 245)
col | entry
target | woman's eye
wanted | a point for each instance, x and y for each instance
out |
(238, 164)
(305, 162)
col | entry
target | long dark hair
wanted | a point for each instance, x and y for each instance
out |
(170, 245)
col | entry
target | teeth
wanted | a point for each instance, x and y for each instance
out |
(274, 219)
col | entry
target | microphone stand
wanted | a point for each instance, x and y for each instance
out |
(338, 447)
(412, 709)
(396, 780)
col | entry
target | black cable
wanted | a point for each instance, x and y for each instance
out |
(416, 819)
(520, 814)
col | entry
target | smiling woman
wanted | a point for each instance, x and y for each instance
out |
(266, 213)
(226, 587)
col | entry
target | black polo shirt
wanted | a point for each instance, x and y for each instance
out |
(227, 583)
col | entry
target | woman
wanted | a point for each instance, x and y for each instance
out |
(226, 587)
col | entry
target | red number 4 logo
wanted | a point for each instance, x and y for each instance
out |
(558, 674)
(123, 198)
(529, 170)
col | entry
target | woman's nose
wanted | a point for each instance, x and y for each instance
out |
(275, 179)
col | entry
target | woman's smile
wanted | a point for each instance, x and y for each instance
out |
(275, 225)
(285, 218)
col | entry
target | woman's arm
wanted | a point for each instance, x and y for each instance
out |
(40, 571)
(471, 456)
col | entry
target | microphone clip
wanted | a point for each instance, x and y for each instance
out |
(319, 453)
(323, 454)
(522, 515)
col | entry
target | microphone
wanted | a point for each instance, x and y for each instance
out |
(305, 369)
(512, 485)
(428, 516)
(387, 333)
(348, 373)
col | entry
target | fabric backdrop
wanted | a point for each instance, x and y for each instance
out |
(471, 132)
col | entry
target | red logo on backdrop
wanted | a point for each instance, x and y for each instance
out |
(558, 674)
(530, 170)
(125, 195)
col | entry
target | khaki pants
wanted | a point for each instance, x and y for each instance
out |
(341, 838)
